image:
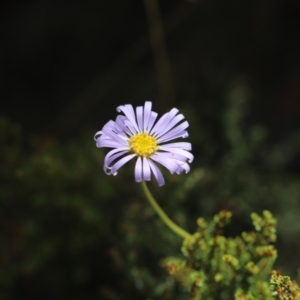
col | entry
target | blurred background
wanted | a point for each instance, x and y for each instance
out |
(68, 231)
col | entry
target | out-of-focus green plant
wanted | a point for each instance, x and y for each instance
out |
(219, 267)
(53, 216)
(283, 287)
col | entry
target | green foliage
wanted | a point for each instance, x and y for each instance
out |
(52, 216)
(283, 287)
(218, 267)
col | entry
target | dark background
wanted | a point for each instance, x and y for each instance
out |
(65, 65)
(229, 66)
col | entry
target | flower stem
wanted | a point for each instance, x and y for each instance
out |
(175, 228)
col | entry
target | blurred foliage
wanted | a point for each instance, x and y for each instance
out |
(283, 287)
(52, 215)
(68, 231)
(216, 267)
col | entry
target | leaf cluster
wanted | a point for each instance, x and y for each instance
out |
(218, 267)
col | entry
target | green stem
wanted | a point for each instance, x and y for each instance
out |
(175, 228)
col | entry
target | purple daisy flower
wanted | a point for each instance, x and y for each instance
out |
(135, 134)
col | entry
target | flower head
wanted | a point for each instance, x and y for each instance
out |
(137, 134)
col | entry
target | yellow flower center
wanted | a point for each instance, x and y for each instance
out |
(143, 144)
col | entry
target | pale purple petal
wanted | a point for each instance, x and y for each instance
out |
(146, 169)
(147, 114)
(168, 126)
(182, 134)
(170, 163)
(139, 116)
(175, 156)
(110, 125)
(128, 111)
(138, 173)
(96, 136)
(104, 141)
(157, 125)
(152, 119)
(182, 152)
(183, 167)
(108, 132)
(120, 163)
(179, 127)
(130, 127)
(165, 119)
(118, 129)
(120, 121)
(157, 173)
(111, 156)
(181, 145)
(178, 131)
